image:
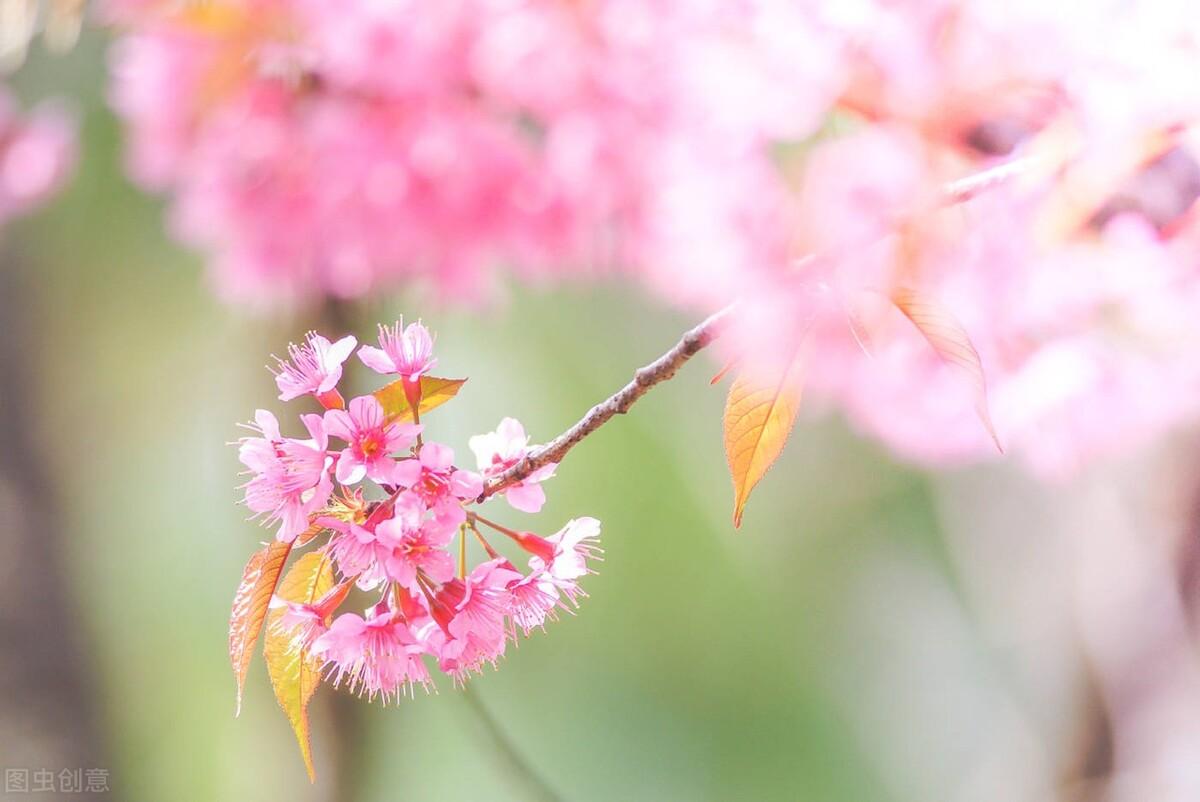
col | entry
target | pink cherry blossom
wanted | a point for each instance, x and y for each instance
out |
(496, 452)
(313, 367)
(404, 351)
(472, 614)
(37, 152)
(375, 656)
(434, 479)
(409, 544)
(290, 478)
(371, 438)
(355, 550)
(574, 545)
(534, 599)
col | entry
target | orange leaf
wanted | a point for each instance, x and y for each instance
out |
(434, 393)
(759, 413)
(250, 607)
(948, 338)
(295, 674)
(306, 537)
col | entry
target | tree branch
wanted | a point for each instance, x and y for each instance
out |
(618, 403)
(690, 344)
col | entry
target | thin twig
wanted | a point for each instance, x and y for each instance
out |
(666, 365)
(618, 403)
(506, 753)
(971, 186)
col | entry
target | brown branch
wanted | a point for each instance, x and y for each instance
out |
(690, 344)
(618, 403)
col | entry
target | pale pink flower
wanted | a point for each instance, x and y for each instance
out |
(574, 545)
(404, 351)
(534, 599)
(314, 366)
(371, 438)
(376, 655)
(496, 452)
(355, 549)
(291, 477)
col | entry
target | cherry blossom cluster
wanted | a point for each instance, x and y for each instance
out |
(1033, 169)
(394, 513)
(317, 148)
(803, 157)
(37, 150)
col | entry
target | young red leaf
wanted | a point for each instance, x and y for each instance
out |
(250, 608)
(434, 393)
(950, 341)
(294, 673)
(759, 414)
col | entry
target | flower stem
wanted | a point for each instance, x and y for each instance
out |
(510, 760)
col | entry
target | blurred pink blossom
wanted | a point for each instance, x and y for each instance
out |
(804, 158)
(37, 153)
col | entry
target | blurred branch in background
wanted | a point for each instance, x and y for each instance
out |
(47, 719)
(508, 758)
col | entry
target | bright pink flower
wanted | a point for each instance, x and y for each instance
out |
(313, 367)
(372, 440)
(496, 452)
(433, 477)
(472, 613)
(405, 351)
(408, 543)
(291, 477)
(376, 655)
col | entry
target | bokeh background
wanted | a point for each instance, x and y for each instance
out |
(873, 632)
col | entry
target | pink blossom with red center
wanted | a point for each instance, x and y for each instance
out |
(408, 543)
(496, 452)
(291, 477)
(404, 351)
(472, 613)
(371, 438)
(434, 479)
(313, 367)
(374, 656)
